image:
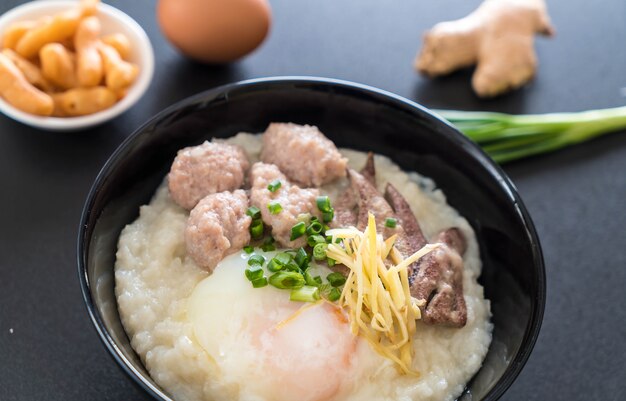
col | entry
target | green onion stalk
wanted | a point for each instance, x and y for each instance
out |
(507, 137)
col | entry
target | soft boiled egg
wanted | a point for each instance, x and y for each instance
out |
(266, 345)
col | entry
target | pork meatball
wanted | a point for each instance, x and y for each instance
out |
(293, 200)
(303, 153)
(217, 226)
(206, 169)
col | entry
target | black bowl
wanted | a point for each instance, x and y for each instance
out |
(352, 116)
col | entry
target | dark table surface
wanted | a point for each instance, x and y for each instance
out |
(48, 347)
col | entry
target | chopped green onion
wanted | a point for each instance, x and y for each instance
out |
(268, 244)
(390, 222)
(328, 216)
(256, 229)
(334, 295)
(254, 272)
(302, 258)
(306, 293)
(331, 262)
(273, 265)
(314, 228)
(268, 247)
(283, 258)
(256, 260)
(314, 240)
(314, 218)
(297, 231)
(310, 280)
(274, 207)
(248, 249)
(274, 185)
(292, 267)
(286, 280)
(323, 203)
(319, 251)
(336, 279)
(318, 280)
(260, 282)
(254, 212)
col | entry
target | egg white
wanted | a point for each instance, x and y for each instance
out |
(258, 343)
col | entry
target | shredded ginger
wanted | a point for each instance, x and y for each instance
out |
(377, 298)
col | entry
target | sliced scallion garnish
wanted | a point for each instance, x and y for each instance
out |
(254, 272)
(248, 249)
(334, 294)
(274, 207)
(274, 186)
(390, 222)
(319, 251)
(256, 260)
(256, 229)
(323, 203)
(273, 265)
(305, 293)
(314, 240)
(336, 279)
(310, 280)
(260, 282)
(328, 216)
(286, 280)
(297, 231)
(314, 228)
(283, 258)
(254, 212)
(301, 258)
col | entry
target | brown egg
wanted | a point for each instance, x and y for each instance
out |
(214, 31)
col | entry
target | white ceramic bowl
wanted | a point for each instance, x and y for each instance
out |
(113, 21)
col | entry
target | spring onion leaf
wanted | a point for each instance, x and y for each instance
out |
(274, 266)
(390, 222)
(286, 280)
(302, 258)
(254, 212)
(283, 258)
(310, 280)
(314, 228)
(297, 231)
(254, 272)
(331, 262)
(507, 137)
(274, 207)
(256, 260)
(256, 229)
(306, 293)
(319, 251)
(260, 282)
(274, 186)
(334, 295)
(248, 249)
(336, 279)
(323, 203)
(314, 240)
(328, 216)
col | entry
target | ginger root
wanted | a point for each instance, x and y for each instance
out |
(497, 37)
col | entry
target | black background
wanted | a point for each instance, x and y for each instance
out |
(48, 347)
